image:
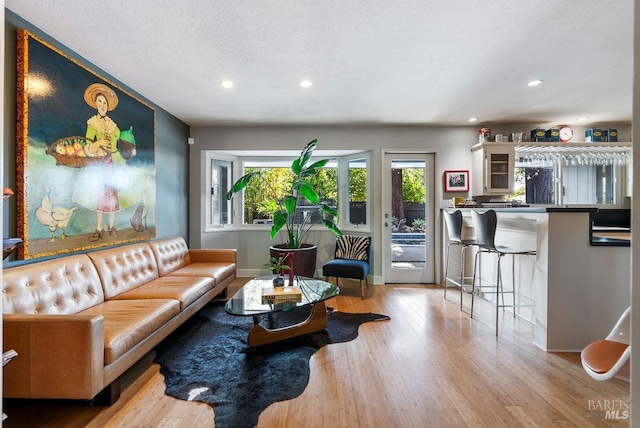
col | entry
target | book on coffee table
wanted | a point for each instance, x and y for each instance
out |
(281, 294)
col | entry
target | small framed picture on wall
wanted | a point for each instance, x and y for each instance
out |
(456, 181)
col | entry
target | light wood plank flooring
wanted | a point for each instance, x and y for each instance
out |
(430, 366)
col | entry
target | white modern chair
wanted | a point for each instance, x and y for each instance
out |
(609, 358)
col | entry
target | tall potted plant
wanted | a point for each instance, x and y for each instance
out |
(284, 215)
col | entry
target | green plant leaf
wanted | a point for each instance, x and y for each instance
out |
(290, 203)
(306, 154)
(332, 227)
(241, 184)
(306, 189)
(279, 220)
(277, 263)
(315, 167)
(328, 210)
(295, 167)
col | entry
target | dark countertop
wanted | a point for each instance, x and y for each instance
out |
(571, 210)
(536, 210)
(599, 241)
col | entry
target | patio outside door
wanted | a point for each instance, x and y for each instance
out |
(407, 218)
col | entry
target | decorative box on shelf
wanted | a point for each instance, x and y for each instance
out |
(610, 135)
(593, 135)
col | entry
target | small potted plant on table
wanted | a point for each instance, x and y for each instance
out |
(277, 266)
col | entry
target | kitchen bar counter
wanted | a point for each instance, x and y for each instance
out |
(579, 290)
(598, 236)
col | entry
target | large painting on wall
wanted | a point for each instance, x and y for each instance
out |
(85, 156)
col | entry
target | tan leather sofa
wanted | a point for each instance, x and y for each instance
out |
(79, 322)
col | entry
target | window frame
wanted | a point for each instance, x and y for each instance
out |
(205, 191)
(343, 192)
(259, 158)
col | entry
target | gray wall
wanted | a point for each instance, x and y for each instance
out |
(172, 211)
(451, 146)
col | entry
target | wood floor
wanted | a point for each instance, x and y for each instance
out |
(430, 366)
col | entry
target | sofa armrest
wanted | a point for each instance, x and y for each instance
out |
(213, 255)
(59, 356)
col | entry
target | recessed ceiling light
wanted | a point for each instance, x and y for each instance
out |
(582, 119)
(534, 82)
(226, 84)
(306, 83)
(473, 119)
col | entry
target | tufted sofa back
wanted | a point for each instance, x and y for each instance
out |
(61, 286)
(171, 254)
(124, 268)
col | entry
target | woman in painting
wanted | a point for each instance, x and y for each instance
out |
(98, 188)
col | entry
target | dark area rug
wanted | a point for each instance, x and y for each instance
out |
(208, 359)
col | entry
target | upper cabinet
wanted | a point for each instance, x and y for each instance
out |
(493, 167)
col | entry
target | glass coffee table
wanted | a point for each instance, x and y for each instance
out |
(248, 302)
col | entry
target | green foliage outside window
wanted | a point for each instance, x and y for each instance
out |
(520, 190)
(258, 203)
(357, 184)
(413, 185)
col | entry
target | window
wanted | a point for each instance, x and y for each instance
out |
(343, 184)
(219, 178)
(358, 191)
(257, 196)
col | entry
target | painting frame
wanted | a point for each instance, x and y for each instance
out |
(456, 180)
(85, 155)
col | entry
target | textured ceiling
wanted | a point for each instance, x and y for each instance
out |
(371, 61)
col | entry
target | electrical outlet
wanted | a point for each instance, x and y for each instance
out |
(456, 266)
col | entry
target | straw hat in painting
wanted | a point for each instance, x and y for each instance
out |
(94, 89)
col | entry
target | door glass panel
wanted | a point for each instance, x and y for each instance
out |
(408, 211)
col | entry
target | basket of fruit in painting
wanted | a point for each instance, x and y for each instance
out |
(74, 152)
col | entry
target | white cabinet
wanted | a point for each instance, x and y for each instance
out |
(493, 168)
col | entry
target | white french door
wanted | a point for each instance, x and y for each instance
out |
(407, 218)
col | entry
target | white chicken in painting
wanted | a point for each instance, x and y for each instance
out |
(53, 217)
